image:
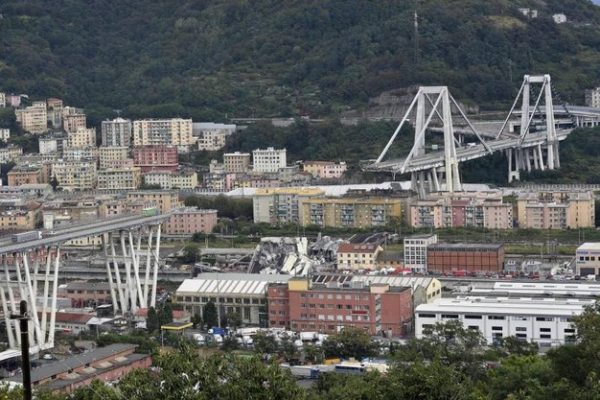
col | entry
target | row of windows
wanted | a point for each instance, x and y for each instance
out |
(237, 300)
(490, 317)
(330, 296)
(338, 306)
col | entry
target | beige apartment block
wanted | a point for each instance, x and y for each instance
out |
(281, 205)
(236, 162)
(89, 153)
(189, 220)
(22, 219)
(325, 169)
(360, 213)
(33, 119)
(212, 136)
(74, 122)
(10, 153)
(174, 131)
(116, 133)
(484, 209)
(82, 137)
(556, 210)
(119, 178)
(269, 160)
(75, 175)
(164, 200)
(108, 155)
(357, 256)
(25, 174)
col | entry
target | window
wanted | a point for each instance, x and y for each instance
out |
(545, 336)
(544, 329)
(472, 316)
(450, 316)
(544, 319)
(421, 315)
(496, 317)
(521, 329)
(496, 328)
(473, 328)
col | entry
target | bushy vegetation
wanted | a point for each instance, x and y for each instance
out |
(211, 59)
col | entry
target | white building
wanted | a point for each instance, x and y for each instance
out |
(592, 97)
(2, 99)
(269, 160)
(116, 133)
(4, 134)
(543, 321)
(587, 259)
(33, 119)
(415, 251)
(559, 18)
(51, 144)
(211, 136)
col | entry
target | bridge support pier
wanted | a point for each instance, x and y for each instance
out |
(29, 274)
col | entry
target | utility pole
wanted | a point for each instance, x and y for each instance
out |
(25, 364)
(416, 24)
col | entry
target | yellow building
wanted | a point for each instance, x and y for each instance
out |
(120, 178)
(73, 122)
(350, 212)
(357, 256)
(281, 205)
(174, 131)
(556, 210)
(236, 162)
(22, 218)
(108, 156)
(33, 119)
(164, 200)
(184, 180)
(74, 175)
(82, 137)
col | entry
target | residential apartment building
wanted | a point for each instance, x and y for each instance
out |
(244, 294)
(174, 131)
(325, 169)
(351, 212)
(468, 209)
(119, 178)
(211, 136)
(25, 174)
(415, 251)
(4, 134)
(448, 258)
(109, 156)
(89, 153)
(19, 218)
(358, 256)
(155, 158)
(74, 122)
(2, 100)
(10, 153)
(164, 200)
(268, 160)
(281, 205)
(544, 321)
(75, 175)
(587, 259)
(556, 210)
(116, 133)
(237, 162)
(301, 305)
(592, 97)
(33, 119)
(52, 144)
(82, 137)
(189, 220)
(85, 294)
(54, 110)
(172, 180)
(13, 100)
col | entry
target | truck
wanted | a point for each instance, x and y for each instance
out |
(26, 236)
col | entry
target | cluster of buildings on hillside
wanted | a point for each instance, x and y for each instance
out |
(133, 154)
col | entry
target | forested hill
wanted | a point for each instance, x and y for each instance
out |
(214, 58)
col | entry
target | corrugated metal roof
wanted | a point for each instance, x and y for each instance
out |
(234, 284)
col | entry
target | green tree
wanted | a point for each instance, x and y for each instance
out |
(264, 344)
(230, 343)
(210, 314)
(350, 342)
(234, 320)
(152, 320)
(54, 183)
(165, 313)
(196, 320)
(190, 253)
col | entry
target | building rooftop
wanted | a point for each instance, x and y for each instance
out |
(595, 246)
(63, 366)
(507, 306)
(231, 283)
(357, 248)
(466, 246)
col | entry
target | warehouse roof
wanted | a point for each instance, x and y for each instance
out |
(466, 246)
(506, 306)
(223, 284)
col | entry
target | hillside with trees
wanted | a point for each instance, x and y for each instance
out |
(211, 59)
